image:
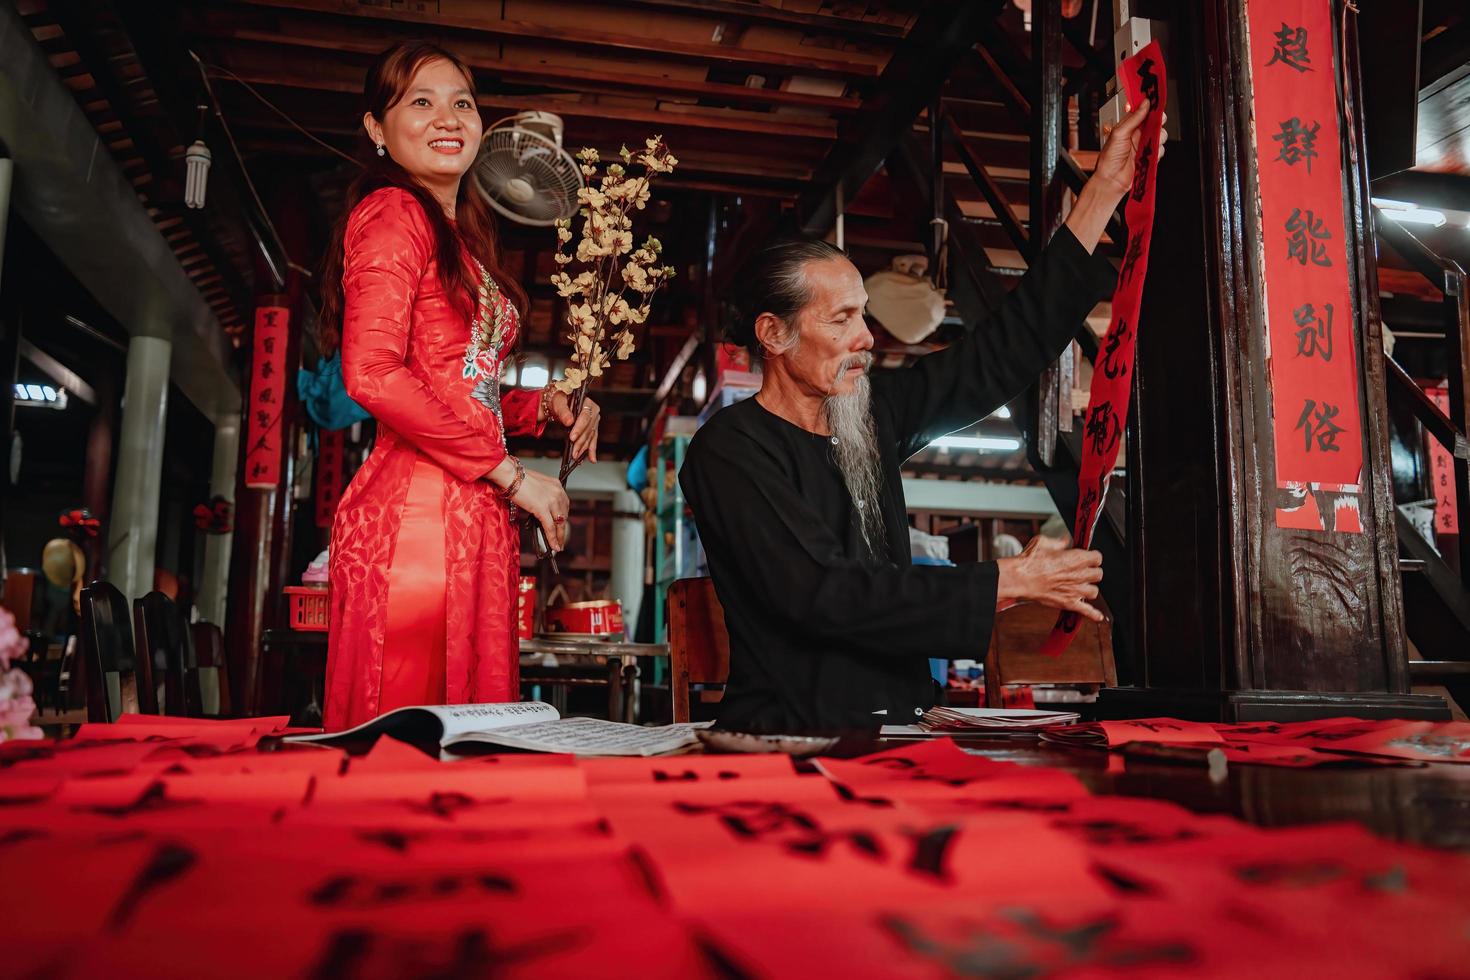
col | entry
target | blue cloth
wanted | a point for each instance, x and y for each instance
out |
(638, 470)
(325, 396)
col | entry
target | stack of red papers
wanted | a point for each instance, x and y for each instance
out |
(1300, 744)
(178, 849)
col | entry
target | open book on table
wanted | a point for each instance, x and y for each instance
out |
(529, 725)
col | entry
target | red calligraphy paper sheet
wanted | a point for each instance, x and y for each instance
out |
(263, 418)
(1311, 345)
(1144, 78)
(1158, 730)
(1442, 470)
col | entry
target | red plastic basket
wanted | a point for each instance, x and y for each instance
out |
(308, 608)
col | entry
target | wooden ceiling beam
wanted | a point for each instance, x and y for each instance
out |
(162, 57)
(664, 121)
(914, 75)
(344, 134)
(757, 13)
(330, 116)
(1443, 52)
(487, 26)
(566, 78)
(747, 180)
(787, 192)
(76, 21)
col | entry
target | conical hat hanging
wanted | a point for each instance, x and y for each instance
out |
(904, 301)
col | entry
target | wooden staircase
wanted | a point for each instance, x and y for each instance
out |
(1436, 577)
(982, 132)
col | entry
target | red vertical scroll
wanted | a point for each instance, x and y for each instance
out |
(1143, 78)
(1442, 470)
(329, 472)
(1317, 419)
(267, 398)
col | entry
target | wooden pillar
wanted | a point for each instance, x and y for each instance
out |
(132, 532)
(1048, 115)
(260, 554)
(1237, 617)
(249, 607)
(214, 584)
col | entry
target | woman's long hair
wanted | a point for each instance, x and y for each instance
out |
(474, 225)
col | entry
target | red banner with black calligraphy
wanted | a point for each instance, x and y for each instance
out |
(329, 473)
(1317, 419)
(267, 398)
(1143, 78)
(1442, 470)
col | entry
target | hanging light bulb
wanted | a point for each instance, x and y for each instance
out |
(196, 167)
(196, 161)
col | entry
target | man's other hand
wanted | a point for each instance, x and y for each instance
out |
(1054, 574)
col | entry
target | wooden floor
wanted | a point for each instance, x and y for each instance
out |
(1428, 805)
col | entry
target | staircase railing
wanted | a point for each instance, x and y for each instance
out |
(1047, 419)
(1425, 566)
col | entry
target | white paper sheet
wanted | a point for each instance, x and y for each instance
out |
(585, 736)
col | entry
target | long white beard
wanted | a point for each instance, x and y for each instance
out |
(856, 455)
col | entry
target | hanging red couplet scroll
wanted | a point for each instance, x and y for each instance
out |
(329, 471)
(1143, 78)
(1442, 470)
(1317, 420)
(267, 398)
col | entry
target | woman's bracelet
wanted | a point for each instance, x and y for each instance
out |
(509, 492)
(545, 412)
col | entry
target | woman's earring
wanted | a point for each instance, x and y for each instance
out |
(382, 152)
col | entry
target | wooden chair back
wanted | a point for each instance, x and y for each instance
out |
(162, 636)
(22, 592)
(106, 664)
(1015, 654)
(699, 646)
(214, 677)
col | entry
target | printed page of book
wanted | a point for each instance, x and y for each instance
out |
(585, 736)
(439, 723)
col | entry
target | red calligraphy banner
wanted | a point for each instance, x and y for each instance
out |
(1442, 470)
(267, 398)
(1317, 420)
(329, 472)
(1143, 77)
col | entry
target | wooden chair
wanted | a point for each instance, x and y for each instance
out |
(105, 664)
(1014, 656)
(21, 595)
(162, 636)
(214, 677)
(699, 646)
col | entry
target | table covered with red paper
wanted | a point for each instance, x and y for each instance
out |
(167, 847)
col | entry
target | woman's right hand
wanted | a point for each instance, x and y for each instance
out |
(1054, 574)
(544, 498)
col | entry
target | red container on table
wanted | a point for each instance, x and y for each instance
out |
(596, 617)
(526, 607)
(309, 605)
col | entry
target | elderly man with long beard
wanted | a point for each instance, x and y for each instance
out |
(798, 497)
